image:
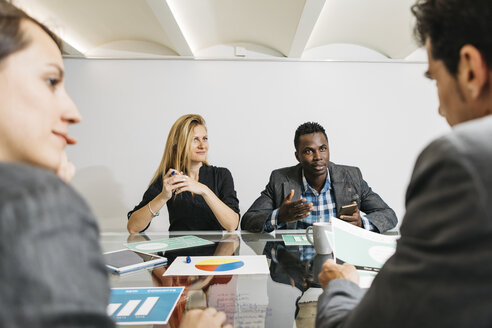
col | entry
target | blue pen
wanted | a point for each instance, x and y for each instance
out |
(173, 173)
(188, 259)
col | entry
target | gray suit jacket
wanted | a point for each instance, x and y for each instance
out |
(347, 184)
(52, 272)
(441, 272)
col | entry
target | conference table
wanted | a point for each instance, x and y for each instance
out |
(284, 298)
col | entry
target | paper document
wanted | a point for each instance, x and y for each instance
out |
(167, 244)
(293, 240)
(218, 265)
(301, 240)
(366, 278)
(131, 306)
(364, 249)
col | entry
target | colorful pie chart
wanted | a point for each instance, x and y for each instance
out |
(219, 264)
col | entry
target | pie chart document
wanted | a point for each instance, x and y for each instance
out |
(218, 265)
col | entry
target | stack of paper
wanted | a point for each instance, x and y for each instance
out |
(364, 249)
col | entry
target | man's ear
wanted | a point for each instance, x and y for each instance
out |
(297, 156)
(472, 72)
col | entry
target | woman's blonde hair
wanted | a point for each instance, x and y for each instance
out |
(177, 151)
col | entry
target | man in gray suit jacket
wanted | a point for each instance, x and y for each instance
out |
(319, 189)
(441, 272)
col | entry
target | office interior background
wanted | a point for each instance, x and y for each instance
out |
(255, 70)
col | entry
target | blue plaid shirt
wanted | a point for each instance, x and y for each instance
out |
(324, 208)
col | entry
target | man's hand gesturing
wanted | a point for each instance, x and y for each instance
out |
(294, 210)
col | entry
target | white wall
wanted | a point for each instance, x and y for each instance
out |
(378, 116)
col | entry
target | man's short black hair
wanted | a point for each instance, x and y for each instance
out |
(451, 24)
(308, 128)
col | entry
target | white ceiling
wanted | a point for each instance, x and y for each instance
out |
(275, 29)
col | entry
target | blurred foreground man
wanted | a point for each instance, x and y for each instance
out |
(441, 273)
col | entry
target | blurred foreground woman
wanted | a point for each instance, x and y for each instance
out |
(52, 273)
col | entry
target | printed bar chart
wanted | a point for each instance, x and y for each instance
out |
(143, 305)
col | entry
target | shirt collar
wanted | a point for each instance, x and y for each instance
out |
(308, 188)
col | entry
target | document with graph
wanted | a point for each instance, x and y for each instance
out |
(364, 249)
(218, 265)
(146, 306)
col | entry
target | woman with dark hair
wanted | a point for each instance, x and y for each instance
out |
(199, 196)
(52, 272)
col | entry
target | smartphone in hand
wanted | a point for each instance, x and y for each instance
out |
(348, 209)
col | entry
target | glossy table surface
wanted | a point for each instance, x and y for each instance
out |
(256, 300)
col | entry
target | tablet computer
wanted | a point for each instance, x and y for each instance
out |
(125, 260)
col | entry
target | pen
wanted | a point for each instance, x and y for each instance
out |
(174, 192)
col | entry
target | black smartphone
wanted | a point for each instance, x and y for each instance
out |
(348, 209)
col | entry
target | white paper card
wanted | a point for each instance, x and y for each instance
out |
(218, 265)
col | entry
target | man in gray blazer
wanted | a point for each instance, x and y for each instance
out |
(319, 188)
(441, 272)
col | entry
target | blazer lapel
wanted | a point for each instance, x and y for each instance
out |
(294, 181)
(343, 191)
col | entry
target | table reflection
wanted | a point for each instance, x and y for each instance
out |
(248, 300)
(297, 266)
